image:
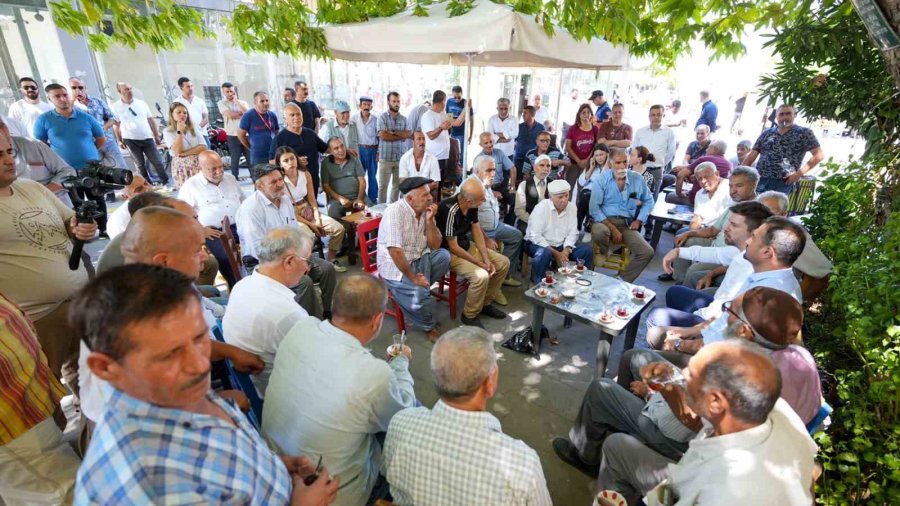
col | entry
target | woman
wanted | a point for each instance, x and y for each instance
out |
(589, 179)
(299, 187)
(185, 144)
(580, 141)
(640, 155)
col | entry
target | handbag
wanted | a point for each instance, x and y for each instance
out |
(302, 209)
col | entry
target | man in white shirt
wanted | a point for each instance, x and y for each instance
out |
(436, 125)
(418, 162)
(261, 307)
(714, 197)
(532, 190)
(540, 112)
(456, 452)
(16, 129)
(232, 110)
(661, 142)
(196, 107)
(504, 129)
(329, 396)
(267, 208)
(552, 234)
(756, 451)
(367, 133)
(119, 219)
(27, 110)
(136, 129)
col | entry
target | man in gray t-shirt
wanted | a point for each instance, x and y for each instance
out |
(343, 180)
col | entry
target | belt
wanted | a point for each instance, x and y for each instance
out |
(368, 145)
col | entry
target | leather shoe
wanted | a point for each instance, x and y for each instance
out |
(474, 322)
(493, 312)
(566, 451)
(501, 299)
(665, 277)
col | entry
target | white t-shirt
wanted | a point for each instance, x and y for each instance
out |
(196, 109)
(118, 220)
(297, 192)
(133, 119)
(189, 140)
(429, 168)
(439, 146)
(27, 113)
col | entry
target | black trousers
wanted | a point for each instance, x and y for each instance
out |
(144, 150)
(235, 150)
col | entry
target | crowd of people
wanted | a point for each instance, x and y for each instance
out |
(711, 407)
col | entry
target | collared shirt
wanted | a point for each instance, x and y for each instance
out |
(553, 152)
(391, 151)
(428, 168)
(489, 210)
(449, 456)
(526, 139)
(343, 178)
(100, 111)
(548, 227)
(801, 386)
(708, 115)
(38, 162)
(660, 142)
(348, 133)
(772, 463)
(723, 167)
(30, 392)
(735, 277)
(212, 202)
(607, 200)
(454, 222)
(399, 228)
(775, 149)
(660, 413)
(71, 138)
(257, 215)
(710, 208)
(232, 125)
(521, 198)
(503, 164)
(603, 112)
(196, 109)
(133, 119)
(261, 128)
(367, 132)
(145, 454)
(330, 396)
(509, 127)
(27, 113)
(440, 145)
(260, 312)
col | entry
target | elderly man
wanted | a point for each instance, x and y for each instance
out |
(713, 197)
(29, 107)
(558, 160)
(552, 233)
(418, 162)
(393, 136)
(697, 147)
(619, 206)
(100, 111)
(436, 126)
(304, 141)
(541, 114)
(505, 175)
(489, 220)
(261, 307)
(329, 396)
(504, 129)
(781, 150)
(257, 128)
(526, 140)
(342, 128)
(715, 154)
(269, 207)
(488, 466)
(615, 133)
(483, 267)
(532, 190)
(405, 235)
(215, 195)
(343, 180)
(660, 140)
(35, 160)
(162, 410)
(136, 130)
(232, 110)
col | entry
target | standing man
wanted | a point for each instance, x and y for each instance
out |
(367, 133)
(414, 115)
(504, 129)
(196, 107)
(661, 142)
(136, 130)
(455, 106)
(310, 110)
(781, 150)
(257, 129)
(393, 135)
(552, 233)
(436, 125)
(232, 110)
(101, 112)
(615, 133)
(541, 114)
(342, 128)
(526, 141)
(708, 112)
(603, 110)
(29, 107)
(738, 112)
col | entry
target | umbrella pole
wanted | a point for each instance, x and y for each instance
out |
(559, 88)
(467, 123)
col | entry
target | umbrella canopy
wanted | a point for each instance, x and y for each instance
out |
(494, 34)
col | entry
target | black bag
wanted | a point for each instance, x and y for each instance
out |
(521, 341)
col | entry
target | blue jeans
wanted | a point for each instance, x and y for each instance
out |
(773, 183)
(415, 301)
(511, 237)
(541, 258)
(367, 156)
(687, 299)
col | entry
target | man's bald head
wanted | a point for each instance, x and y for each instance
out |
(211, 166)
(472, 190)
(164, 236)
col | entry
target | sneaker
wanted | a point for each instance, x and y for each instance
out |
(338, 267)
(566, 451)
(511, 282)
(474, 322)
(501, 299)
(493, 312)
(665, 277)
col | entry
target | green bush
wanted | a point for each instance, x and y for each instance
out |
(854, 332)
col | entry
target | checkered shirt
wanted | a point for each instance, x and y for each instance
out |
(400, 229)
(449, 456)
(391, 151)
(145, 454)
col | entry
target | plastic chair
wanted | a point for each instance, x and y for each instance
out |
(455, 288)
(800, 199)
(243, 383)
(617, 260)
(824, 411)
(367, 235)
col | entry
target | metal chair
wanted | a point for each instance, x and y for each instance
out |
(242, 382)
(367, 235)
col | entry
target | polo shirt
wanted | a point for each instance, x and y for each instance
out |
(553, 152)
(343, 179)
(774, 148)
(695, 150)
(72, 138)
(603, 112)
(261, 128)
(453, 222)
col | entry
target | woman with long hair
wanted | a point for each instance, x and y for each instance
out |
(299, 186)
(640, 155)
(590, 178)
(580, 140)
(185, 144)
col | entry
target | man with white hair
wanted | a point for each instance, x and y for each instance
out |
(532, 190)
(714, 197)
(715, 154)
(503, 128)
(552, 234)
(487, 467)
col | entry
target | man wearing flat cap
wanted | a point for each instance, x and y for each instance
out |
(552, 234)
(409, 254)
(342, 128)
(367, 133)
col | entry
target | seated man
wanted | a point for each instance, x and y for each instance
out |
(504, 177)
(532, 190)
(329, 396)
(118, 219)
(426, 449)
(812, 262)
(489, 220)
(545, 146)
(756, 452)
(343, 180)
(715, 154)
(417, 162)
(713, 199)
(405, 235)
(36, 465)
(165, 437)
(37, 161)
(484, 268)
(215, 195)
(261, 307)
(269, 207)
(552, 233)
(619, 206)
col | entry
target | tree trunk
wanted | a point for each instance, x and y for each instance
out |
(891, 10)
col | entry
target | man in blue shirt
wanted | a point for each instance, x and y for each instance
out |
(620, 205)
(527, 139)
(257, 128)
(455, 106)
(708, 112)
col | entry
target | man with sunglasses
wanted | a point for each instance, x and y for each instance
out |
(137, 131)
(100, 111)
(27, 110)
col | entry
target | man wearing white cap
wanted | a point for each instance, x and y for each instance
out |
(552, 232)
(532, 190)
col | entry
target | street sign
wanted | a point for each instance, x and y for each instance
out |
(878, 25)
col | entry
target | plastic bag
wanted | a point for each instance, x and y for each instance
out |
(521, 341)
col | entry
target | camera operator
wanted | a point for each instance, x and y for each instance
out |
(35, 160)
(36, 233)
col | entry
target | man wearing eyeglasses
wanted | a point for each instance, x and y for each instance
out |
(27, 110)
(101, 112)
(136, 130)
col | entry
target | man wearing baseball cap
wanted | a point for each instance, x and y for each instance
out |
(603, 108)
(552, 233)
(342, 128)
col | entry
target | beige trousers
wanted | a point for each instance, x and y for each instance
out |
(482, 288)
(333, 229)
